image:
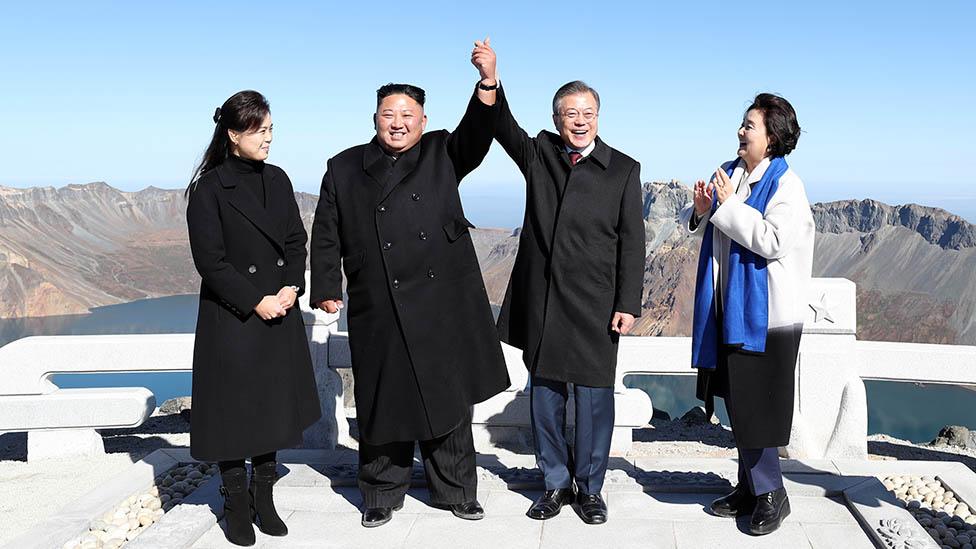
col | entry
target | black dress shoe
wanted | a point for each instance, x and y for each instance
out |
(737, 504)
(592, 508)
(771, 509)
(549, 504)
(471, 510)
(378, 516)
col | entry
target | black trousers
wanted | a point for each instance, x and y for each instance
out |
(449, 464)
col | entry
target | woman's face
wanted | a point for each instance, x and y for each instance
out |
(753, 141)
(253, 144)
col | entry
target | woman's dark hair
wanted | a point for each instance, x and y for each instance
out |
(781, 125)
(243, 111)
(411, 91)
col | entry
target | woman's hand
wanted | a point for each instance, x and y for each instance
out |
(286, 297)
(703, 198)
(269, 308)
(723, 185)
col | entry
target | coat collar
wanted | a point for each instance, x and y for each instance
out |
(601, 153)
(246, 203)
(374, 165)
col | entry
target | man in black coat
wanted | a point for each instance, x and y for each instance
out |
(575, 288)
(421, 334)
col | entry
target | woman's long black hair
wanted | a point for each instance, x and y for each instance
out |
(243, 111)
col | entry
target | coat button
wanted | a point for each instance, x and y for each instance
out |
(381, 208)
(281, 262)
(387, 245)
(415, 196)
(430, 273)
(396, 283)
(422, 235)
(252, 269)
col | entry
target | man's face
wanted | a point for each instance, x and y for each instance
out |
(577, 119)
(400, 122)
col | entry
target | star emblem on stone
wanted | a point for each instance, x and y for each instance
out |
(821, 311)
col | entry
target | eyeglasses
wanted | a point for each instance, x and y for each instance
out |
(573, 114)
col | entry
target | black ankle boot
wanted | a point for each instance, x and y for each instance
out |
(237, 507)
(263, 511)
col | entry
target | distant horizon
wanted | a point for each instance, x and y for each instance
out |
(502, 205)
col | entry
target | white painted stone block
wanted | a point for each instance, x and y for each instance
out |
(59, 444)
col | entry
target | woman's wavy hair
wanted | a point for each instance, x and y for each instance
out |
(781, 125)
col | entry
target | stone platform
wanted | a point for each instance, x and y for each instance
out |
(653, 502)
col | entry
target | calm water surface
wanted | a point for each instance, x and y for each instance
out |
(904, 410)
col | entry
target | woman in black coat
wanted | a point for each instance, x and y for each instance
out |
(253, 385)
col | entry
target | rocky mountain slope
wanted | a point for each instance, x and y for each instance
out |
(65, 250)
(913, 265)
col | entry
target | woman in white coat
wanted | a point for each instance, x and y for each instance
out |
(756, 258)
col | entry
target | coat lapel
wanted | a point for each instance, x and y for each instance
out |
(375, 162)
(245, 203)
(403, 167)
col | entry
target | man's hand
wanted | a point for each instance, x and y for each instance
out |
(269, 308)
(286, 297)
(483, 58)
(622, 322)
(331, 305)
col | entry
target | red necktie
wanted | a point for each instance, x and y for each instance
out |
(574, 157)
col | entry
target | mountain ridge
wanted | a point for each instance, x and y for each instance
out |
(64, 250)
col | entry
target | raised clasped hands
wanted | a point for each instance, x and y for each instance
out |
(622, 322)
(483, 58)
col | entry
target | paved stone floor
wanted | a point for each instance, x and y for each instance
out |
(654, 502)
(322, 517)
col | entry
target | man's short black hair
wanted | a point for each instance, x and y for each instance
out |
(411, 91)
(780, 119)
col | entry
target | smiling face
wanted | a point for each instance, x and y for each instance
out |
(253, 144)
(576, 120)
(753, 140)
(400, 122)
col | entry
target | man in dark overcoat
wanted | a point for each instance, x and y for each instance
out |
(575, 288)
(421, 334)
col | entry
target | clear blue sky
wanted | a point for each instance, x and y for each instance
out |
(123, 92)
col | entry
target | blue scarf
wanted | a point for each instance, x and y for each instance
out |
(745, 317)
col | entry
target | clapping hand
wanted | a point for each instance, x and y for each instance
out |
(703, 197)
(483, 58)
(723, 185)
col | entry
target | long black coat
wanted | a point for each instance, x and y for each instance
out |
(580, 256)
(253, 385)
(420, 325)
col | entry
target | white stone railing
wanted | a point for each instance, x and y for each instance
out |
(830, 417)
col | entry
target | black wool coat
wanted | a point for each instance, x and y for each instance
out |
(253, 386)
(420, 326)
(580, 255)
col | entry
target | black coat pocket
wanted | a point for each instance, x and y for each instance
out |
(456, 228)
